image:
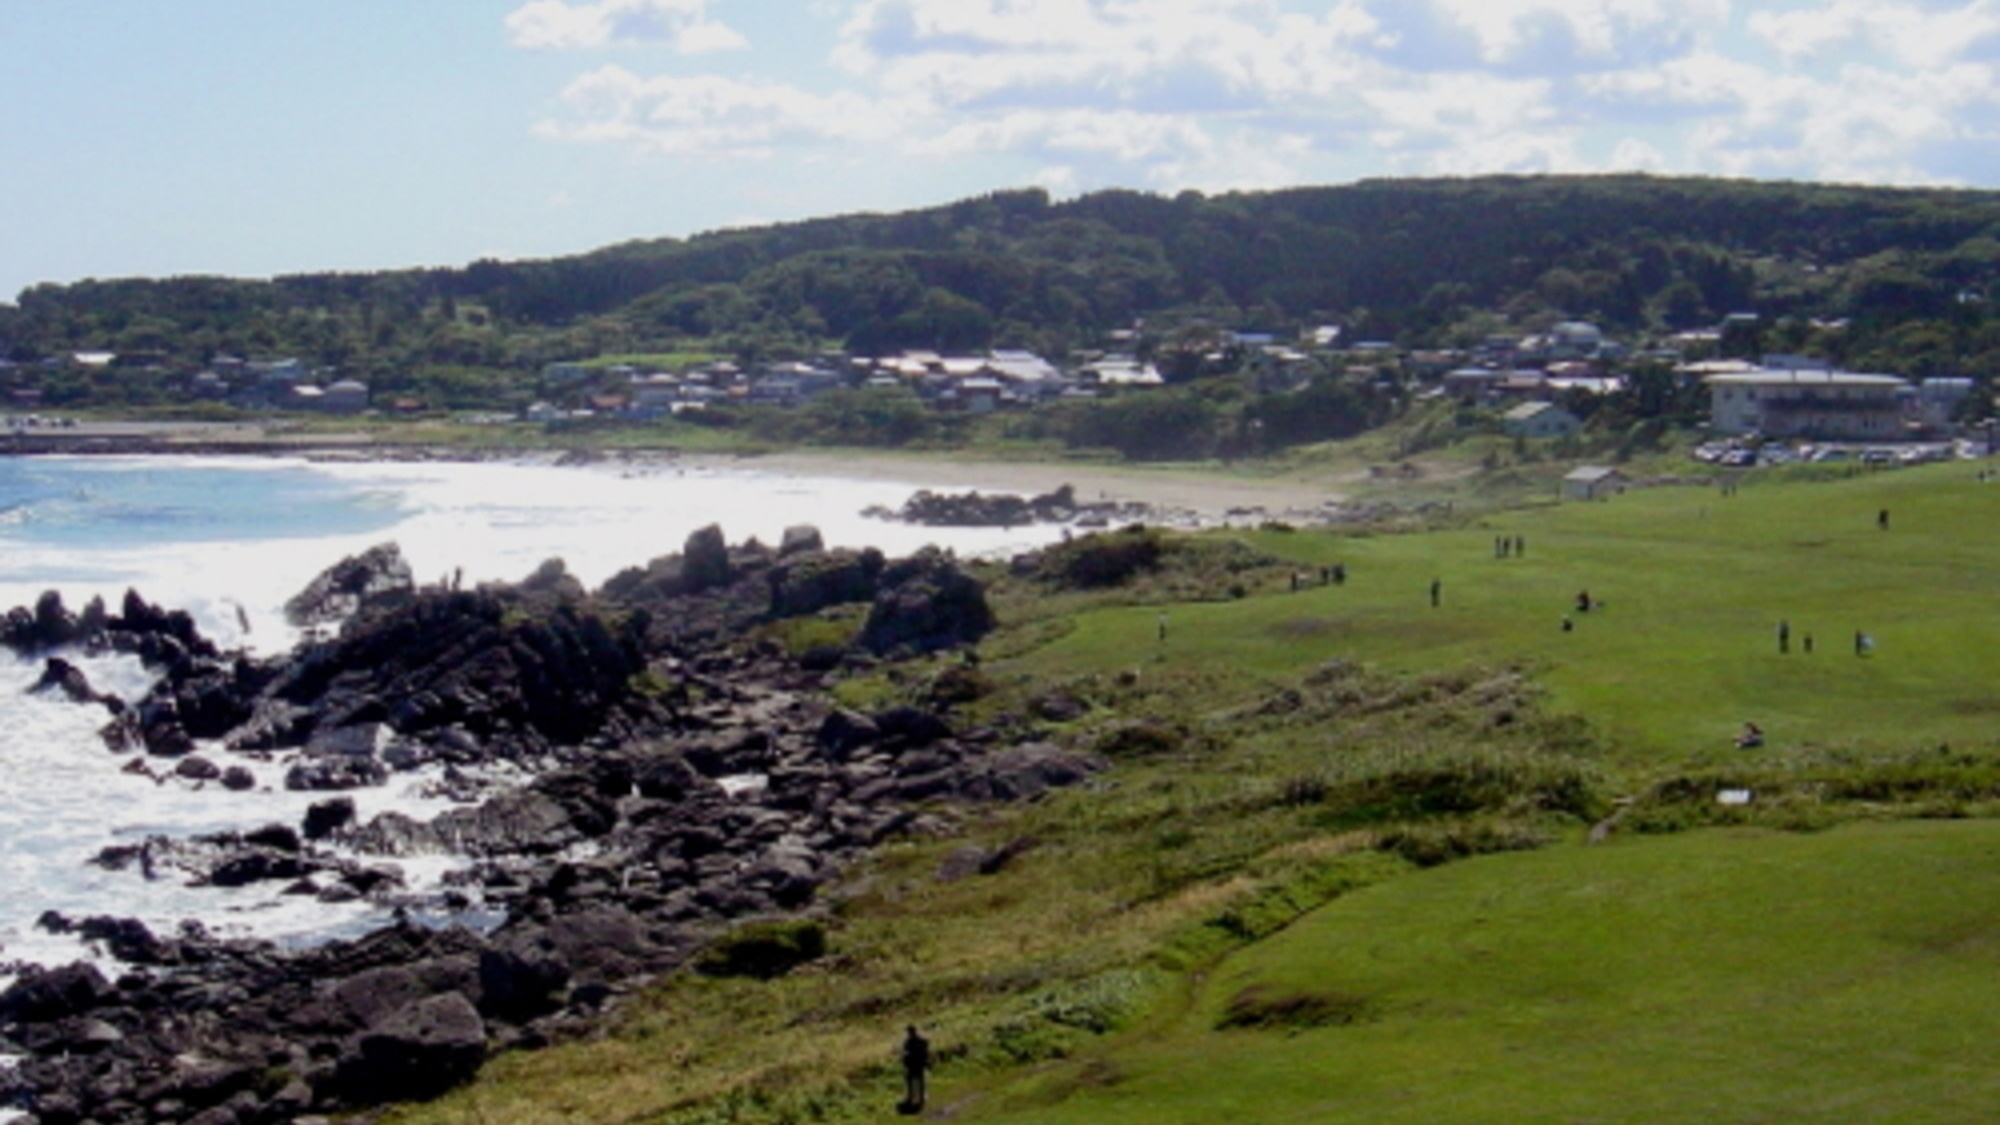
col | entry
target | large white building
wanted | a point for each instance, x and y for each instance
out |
(1830, 405)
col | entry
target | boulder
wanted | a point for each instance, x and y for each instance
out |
(420, 1051)
(347, 585)
(926, 603)
(1021, 773)
(800, 539)
(705, 560)
(809, 582)
(194, 767)
(324, 818)
(61, 676)
(52, 994)
(335, 774)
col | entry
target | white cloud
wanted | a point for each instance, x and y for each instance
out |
(1080, 94)
(1602, 30)
(562, 24)
(710, 115)
(1913, 34)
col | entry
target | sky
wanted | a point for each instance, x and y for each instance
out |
(252, 138)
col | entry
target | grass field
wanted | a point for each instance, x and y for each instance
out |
(1716, 977)
(1338, 872)
(1684, 648)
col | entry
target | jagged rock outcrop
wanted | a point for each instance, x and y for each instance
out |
(343, 588)
(926, 603)
(706, 780)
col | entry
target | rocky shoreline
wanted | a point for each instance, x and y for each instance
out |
(684, 781)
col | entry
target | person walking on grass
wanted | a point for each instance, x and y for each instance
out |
(916, 1061)
(1784, 637)
(1437, 590)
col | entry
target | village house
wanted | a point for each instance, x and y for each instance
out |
(348, 396)
(1592, 482)
(1822, 405)
(1539, 420)
(1119, 371)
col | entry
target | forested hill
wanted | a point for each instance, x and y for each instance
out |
(1419, 262)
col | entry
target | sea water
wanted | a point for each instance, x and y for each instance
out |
(229, 540)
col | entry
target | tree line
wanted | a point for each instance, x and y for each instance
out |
(1895, 280)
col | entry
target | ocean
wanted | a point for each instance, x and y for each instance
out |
(229, 539)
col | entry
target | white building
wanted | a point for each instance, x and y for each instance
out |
(1829, 405)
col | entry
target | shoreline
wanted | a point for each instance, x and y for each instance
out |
(1182, 494)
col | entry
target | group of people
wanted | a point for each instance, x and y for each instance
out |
(1864, 642)
(1335, 575)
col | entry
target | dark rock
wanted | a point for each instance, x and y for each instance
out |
(1059, 707)
(419, 1052)
(347, 585)
(926, 603)
(258, 865)
(705, 560)
(194, 767)
(910, 728)
(552, 579)
(975, 509)
(800, 538)
(667, 776)
(361, 740)
(334, 774)
(51, 994)
(278, 837)
(809, 582)
(60, 675)
(325, 818)
(843, 732)
(1025, 772)
(522, 976)
(238, 779)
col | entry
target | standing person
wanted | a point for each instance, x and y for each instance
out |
(1882, 519)
(916, 1061)
(1520, 546)
(1163, 629)
(1437, 588)
(1784, 637)
(1340, 574)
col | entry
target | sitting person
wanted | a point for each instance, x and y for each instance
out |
(1751, 738)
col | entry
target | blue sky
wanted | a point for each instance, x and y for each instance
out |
(253, 137)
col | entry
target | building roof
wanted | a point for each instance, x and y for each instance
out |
(1762, 378)
(1528, 411)
(1592, 474)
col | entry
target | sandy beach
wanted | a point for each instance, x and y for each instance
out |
(1206, 496)
(1192, 495)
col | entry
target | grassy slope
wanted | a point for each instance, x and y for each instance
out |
(1716, 977)
(1694, 585)
(1698, 964)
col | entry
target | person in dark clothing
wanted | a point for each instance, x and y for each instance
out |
(1437, 589)
(916, 1061)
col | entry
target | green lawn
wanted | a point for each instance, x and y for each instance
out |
(1734, 974)
(1715, 977)
(1684, 649)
